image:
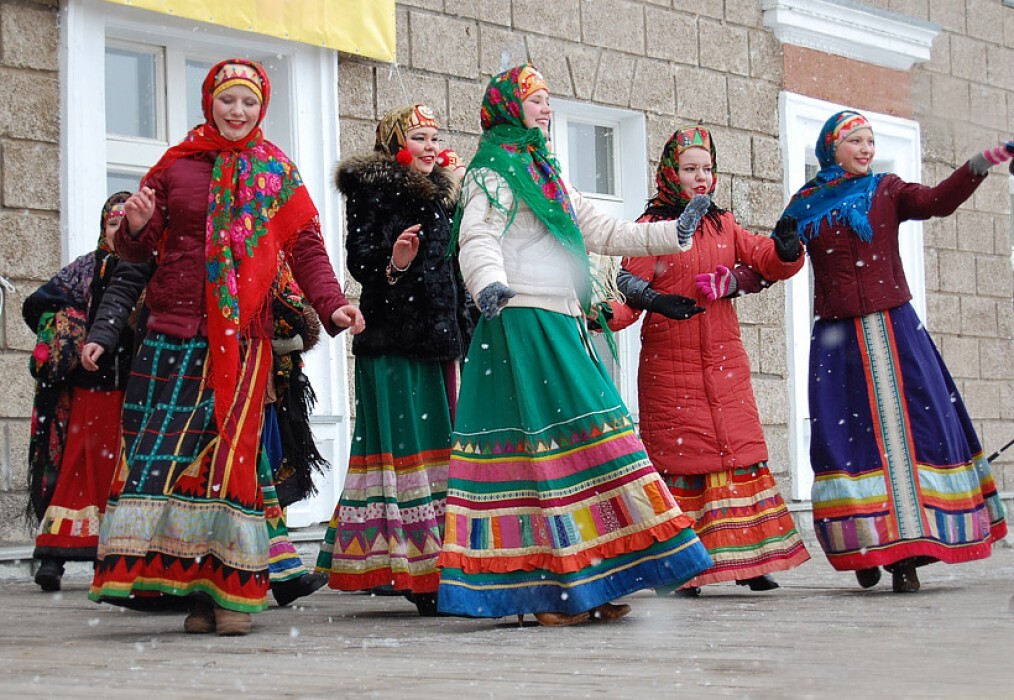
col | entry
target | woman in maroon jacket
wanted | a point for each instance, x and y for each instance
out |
(185, 516)
(699, 420)
(900, 477)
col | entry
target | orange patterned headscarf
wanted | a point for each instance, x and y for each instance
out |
(530, 81)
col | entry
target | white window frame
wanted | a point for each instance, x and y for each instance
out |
(630, 150)
(899, 151)
(306, 128)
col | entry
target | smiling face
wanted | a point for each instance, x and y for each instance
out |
(236, 111)
(537, 111)
(855, 153)
(695, 171)
(423, 144)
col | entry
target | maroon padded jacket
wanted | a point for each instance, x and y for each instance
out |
(175, 295)
(853, 278)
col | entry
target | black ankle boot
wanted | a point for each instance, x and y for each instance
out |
(426, 604)
(288, 591)
(759, 583)
(49, 575)
(868, 578)
(904, 579)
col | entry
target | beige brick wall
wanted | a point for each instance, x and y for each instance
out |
(29, 221)
(964, 101)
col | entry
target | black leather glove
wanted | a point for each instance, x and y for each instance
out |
(493, 298)
(786, 236)
(674, 306)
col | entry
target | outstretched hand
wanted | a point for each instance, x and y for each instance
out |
(786, 237)
(493, 298)
(717, 284)
(349, 317)
(690, 219)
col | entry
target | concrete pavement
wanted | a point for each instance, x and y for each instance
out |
(819, 636)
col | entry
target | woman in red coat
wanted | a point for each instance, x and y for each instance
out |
(699, 420)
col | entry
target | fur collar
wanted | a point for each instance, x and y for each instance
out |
(376, 170)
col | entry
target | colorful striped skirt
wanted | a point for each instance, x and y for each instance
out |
(552, 504)
(185, 515)
(898, 469)
(69, 529)
(742, 521)
(284, 563)
(388, 526)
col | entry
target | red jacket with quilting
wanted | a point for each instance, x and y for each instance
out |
(697, 409)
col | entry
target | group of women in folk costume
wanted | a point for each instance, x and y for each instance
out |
(495, 470)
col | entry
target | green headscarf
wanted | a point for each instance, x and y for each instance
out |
(521, 157)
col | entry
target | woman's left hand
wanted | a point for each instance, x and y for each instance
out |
(406, 247)
(350, 317)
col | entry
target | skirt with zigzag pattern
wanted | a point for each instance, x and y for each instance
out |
(388, 525)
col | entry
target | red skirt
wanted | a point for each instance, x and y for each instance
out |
(69, 529)
(742, 521)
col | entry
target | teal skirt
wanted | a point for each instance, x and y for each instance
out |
(552, 503)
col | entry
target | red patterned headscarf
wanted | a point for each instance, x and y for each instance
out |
(257, 203)
(667, 180)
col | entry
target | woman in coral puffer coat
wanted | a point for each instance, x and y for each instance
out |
(699, 420)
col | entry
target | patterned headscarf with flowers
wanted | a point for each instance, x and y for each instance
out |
(521, 157)
(257, 203)
(834, 195)
(670, 200)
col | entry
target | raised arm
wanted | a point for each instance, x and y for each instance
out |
(608, 236)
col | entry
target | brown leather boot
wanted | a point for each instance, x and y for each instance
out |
(555, 619)
(201, 619)
(230, 623)
(607, 612)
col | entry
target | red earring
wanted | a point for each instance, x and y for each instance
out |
(404, 157)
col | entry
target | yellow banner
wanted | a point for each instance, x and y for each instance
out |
(361, 27)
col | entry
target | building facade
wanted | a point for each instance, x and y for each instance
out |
(94, 91)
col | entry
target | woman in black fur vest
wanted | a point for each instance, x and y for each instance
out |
(387, 529)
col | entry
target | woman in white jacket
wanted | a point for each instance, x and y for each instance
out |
(553, 507)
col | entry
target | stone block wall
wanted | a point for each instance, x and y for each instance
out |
(29, 222)
(963, 98)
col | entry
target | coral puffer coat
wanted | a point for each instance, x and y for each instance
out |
(698, 413)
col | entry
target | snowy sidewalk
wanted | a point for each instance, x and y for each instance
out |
(819, 636)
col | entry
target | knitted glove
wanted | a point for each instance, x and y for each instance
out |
(493, 298)
(674, 306)
(691, 218)
(1000, 153)
(718, 284)
(786, 237)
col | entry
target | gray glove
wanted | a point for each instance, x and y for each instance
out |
(493, 298)
(691, 217)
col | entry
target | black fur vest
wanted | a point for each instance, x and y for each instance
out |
(422, 315)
